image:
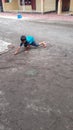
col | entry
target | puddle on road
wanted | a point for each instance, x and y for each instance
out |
(4, 46)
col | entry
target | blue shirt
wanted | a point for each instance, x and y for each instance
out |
(30, 39)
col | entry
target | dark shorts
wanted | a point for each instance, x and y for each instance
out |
(34, 44)
(26, 44)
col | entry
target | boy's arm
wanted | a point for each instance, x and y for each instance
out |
(27, 48)
(17, 50)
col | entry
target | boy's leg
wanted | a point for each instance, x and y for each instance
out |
(38, 44)
(35, 44)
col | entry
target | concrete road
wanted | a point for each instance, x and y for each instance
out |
(36, 88)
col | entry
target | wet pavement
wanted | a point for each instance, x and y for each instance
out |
(36, 88)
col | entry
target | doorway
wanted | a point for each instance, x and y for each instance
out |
(56, 5)
(65, 5)
(1, 7)
(33, 4)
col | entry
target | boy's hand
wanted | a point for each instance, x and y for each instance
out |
(28, 47)
(26, 51)
(17, 50)
(15, 53)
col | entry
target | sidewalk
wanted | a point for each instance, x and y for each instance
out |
(39, 17)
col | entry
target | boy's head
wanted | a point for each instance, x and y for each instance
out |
(23, 38)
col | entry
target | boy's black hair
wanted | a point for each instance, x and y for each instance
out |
(23, 38)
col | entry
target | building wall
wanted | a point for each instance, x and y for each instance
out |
(71, 5)
(24, 8)
(38, 5)
(28, 8)
(49, 5)
(12, 6)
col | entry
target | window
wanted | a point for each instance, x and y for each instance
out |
(25, 2)
(8, 1)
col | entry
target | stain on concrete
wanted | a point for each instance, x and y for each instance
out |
(4, 46)
(31, 72)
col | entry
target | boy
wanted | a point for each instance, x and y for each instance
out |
(27, 41)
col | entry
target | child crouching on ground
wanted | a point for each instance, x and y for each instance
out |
(28, 41)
